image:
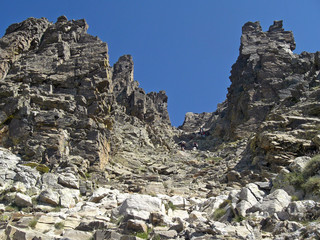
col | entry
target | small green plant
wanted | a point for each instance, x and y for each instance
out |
(156, 237)
(33, 223)
(59, 225)
(170, 205)
(238, 218)
(4, 218)
(88, 175)
(41, 168)
(31, 164)
(225, 203)
(218, 213)
(294, 198)
(295, 179)
(56, 209)
(143, 235)
(117, 221)
(312, 167)
(11, 208)
(312, 185)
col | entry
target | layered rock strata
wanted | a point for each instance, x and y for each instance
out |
(272, 99)
(59, 94)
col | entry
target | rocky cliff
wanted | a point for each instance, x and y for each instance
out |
(85, 153)
(60, 96)
(272, 99)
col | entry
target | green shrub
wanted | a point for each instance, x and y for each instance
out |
(11, 208)
(56, 209)
(295, 179)
(4, 218)
(170, 205)
(143, 235)
(238, 218)
(41, 168)
(59, 225)
(312, 185)
(312, 167)
(224, 203)
(218, 213)
(31, 164)
(33, 223)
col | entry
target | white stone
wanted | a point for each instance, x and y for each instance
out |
(140, 206)
(23, 200)
(77, 235)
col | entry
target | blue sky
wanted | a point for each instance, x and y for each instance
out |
(185, 47)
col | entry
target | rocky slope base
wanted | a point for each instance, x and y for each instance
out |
(87, 154)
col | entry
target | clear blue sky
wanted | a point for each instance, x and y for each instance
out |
(185, 47)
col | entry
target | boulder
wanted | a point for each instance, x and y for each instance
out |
(274, 202)
(23, 200)
(68, 197)
(101, 193)
(139, 207)
(76, 234)
(49, 197)
(299, 163)
(136, 226)
(69, 180)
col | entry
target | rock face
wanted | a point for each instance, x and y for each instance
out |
(273, 99)
(59, 94)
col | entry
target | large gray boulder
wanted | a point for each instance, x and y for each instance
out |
(273, 203)
(139, 207)
(23, 200)
(49, 197)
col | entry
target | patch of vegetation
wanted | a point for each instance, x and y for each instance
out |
(294, 198)
(12, 208)
(4, 218)
(33, 223)
(59, 225)
(225, 203)
(312, 185)
(239, 218)
(117, 221)
(312, 168)
(295, 179)
(218, 213)
(88, 175)
(31, 164)
(143, 235)
(307, 180)
(156, 237)
(6, 121)
(41, 168)
(56, 209)
(214, 159)
(170, 205)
